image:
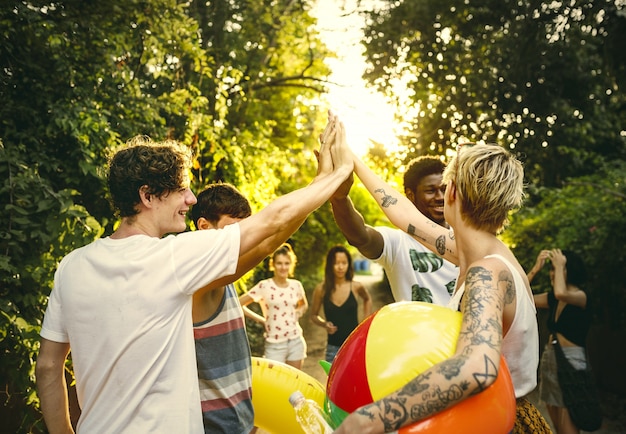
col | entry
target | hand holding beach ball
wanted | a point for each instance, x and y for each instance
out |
(393, 346)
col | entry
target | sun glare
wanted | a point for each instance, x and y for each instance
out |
(365, 113)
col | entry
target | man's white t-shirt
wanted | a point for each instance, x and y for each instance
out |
(124, 305)
(415, 273)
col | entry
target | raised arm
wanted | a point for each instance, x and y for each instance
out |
(351, 223)
(253, 257)
(563, 291)
(541, 300)
(539, 263)
(404, 215)
(334, 166)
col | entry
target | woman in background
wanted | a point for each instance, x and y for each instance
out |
(568, 321)
(338, 294)
(283, 301)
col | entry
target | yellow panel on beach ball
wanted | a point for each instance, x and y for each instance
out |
(404, 340)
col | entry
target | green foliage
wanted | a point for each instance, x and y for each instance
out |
(37, 227)
(234, 80)
(546, 79)
(586, 215)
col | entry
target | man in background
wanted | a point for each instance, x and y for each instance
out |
(414, 272)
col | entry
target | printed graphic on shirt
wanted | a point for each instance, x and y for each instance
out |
(421, 294)
(426, 262)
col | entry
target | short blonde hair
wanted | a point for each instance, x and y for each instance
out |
(489, 182)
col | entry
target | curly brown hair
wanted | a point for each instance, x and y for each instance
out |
(162, 167)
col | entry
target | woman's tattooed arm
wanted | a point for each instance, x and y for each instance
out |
(469, 371)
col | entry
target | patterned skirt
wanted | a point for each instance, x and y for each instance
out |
(528, 419)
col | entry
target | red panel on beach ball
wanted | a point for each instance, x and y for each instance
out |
(347, 385)
(395, 344)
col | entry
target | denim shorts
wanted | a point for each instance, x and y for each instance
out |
(331, 352)
(290, 350)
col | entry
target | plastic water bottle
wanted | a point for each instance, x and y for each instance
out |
(309, 415)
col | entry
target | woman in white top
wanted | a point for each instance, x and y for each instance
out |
(283, 301)
(483, 183)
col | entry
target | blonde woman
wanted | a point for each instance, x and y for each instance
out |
(483, 183)
(283, 301)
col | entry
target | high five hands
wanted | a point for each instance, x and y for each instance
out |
(334, 152)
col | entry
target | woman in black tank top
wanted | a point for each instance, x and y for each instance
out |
(568, 321)
(337, 294)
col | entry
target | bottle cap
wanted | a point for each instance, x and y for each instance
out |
(296, 397)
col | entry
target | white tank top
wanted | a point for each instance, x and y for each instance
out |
(520, 345)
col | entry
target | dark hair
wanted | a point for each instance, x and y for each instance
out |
(329, 272)
(220, 199)
(420, 167)
(161, 166)
(576, 271)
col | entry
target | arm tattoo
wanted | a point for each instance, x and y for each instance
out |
(387, 199)
(491, 372)
(440, 244)
(453, 379)
(411, 230)
(451, 368)
(391, 412)
(506, 279)
(481, 329)
(436, 399)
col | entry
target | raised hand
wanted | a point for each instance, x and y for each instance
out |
(325, 137)
(557, 258)
(541, 259)
(323, 155)
(341, 152)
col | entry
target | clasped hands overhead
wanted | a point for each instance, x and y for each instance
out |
(334, 152)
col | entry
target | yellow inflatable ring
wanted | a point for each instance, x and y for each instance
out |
(272, 384)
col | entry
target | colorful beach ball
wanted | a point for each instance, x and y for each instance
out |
(395, 344)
